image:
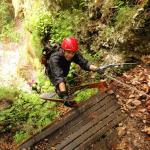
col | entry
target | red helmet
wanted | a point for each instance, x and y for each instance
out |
(70, 44)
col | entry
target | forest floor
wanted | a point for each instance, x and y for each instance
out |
(133, 94)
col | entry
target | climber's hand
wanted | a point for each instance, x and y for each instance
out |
(70, 103)
(100, 70)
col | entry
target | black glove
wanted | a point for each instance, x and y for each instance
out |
(70, 103)
(64, 95)
(100, 70)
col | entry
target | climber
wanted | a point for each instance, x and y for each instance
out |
(58, 66)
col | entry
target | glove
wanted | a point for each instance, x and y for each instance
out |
(64, 95)
(100, 70)
(70, 103)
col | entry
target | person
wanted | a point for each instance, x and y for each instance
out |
(58, 66)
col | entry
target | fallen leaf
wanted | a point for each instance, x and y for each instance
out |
(148, 109)
(121, 131)
(145, 88)
(146, 130)
(147, 103)
(131, 96)
(142, 78)
(53, 148)
(136, 102)
(147, 138)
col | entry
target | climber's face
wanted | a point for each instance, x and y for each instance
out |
(69, 55)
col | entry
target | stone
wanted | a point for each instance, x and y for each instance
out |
(136, 102)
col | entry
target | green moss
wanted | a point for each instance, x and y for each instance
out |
(5, 14)
(84, 94)
(27, 115)
(124, 17)
(8, 93)
(20, 136)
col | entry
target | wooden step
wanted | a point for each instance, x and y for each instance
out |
(79, 127)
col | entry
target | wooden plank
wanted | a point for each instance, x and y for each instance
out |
(98, 103)
(116, 119)
(59, 123)
(81, 120)
(87, 116)
(85, 128)
(93, 130)
(106, 101)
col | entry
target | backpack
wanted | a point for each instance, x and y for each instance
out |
(47, 51)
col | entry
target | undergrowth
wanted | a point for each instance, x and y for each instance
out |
(27, 114)
(84, 94)
(7, 25)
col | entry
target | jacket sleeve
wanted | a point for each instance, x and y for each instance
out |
(81, 61)
(56, 71)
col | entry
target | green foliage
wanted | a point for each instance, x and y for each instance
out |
(8, 93)
(20, 136)
(6, 22)
(5, 16)
(84, 94)
(71, 75)
(8, 32)
(109, 31)
(27, 115)
(40, 22)
(118, 71)
(62, 27)
(56, 5)
(54, 27)
(119, 3)
(108, 37)
(44, 82)
(119, 28)
(79, 4)
(65, 24)
(124, 17)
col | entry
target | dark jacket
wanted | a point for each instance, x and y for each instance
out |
(58, 66)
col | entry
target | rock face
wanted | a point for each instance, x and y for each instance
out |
(139, 36)
(126, 28)
(18, 6)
